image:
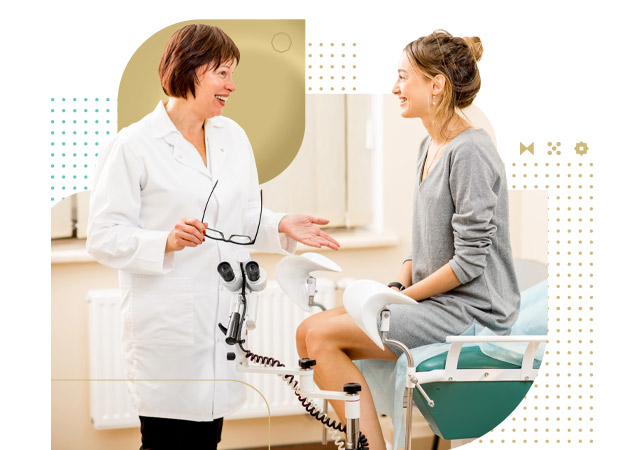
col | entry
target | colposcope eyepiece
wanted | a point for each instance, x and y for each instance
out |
(252, 270)
(226, 272)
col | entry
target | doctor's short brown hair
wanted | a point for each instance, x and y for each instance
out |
(188, 49)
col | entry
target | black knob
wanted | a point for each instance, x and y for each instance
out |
(231, 356)
(351, 388)
(306, 363)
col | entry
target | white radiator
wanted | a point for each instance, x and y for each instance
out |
(110, 404)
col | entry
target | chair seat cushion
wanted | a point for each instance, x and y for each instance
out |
(466, 410)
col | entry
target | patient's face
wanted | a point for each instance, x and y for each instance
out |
(413, 90)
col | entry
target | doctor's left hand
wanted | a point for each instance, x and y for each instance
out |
(304, 229)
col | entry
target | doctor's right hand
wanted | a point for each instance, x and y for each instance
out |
(188, 232)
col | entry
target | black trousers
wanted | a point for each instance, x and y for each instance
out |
(173, 434)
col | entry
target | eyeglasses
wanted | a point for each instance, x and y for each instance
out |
(238, 239)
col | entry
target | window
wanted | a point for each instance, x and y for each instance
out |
(69, 217)
(332, 174)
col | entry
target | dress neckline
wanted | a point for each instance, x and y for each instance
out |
(426, 153)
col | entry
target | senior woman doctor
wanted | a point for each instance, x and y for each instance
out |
(152, 186)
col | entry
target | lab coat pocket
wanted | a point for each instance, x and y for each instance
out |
(161, 312)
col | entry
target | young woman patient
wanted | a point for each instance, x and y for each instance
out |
(460, 267)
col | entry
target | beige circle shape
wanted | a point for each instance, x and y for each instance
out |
(281, 42)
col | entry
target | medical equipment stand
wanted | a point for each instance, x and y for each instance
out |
(245, 282)
(311, 284)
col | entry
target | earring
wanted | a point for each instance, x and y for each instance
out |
(434, 99)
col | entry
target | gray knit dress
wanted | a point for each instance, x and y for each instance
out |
(460, 217)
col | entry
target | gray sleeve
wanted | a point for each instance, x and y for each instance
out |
(474, 185)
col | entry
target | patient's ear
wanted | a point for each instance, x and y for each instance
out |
(438, 84)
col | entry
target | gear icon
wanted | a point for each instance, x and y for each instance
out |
(581, 148)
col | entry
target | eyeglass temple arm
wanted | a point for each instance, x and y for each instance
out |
(259, 217)
(208, 201)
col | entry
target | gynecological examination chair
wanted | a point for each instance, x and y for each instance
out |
(466, 386)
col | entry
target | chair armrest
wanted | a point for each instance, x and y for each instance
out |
(508, 338)
(527, 366)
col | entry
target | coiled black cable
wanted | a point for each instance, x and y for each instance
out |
(313, 410)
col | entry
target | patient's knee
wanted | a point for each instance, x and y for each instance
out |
(318, 341)
(300, 339)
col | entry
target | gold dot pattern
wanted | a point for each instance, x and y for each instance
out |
(559, 408)
(331, 67)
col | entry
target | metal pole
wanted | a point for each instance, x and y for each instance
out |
(408, 400)
(353, 411)
(311, 282)
(324, 430)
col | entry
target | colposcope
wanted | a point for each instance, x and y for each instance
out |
(245, 278)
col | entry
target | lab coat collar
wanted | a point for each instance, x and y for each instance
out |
(164, 128)
(161, 122)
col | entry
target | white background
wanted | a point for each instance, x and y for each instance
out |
(549, 69)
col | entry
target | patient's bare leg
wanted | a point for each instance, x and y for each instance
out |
(334, 340)
(311, 322)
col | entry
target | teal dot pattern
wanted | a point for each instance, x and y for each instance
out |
(331, 67)
(559, 408)
(79, 129)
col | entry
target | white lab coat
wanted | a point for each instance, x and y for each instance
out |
(147, 179)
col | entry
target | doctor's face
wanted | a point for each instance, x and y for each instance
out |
(214, 88)
(413, 90)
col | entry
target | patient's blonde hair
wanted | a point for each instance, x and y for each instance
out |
(456, 59)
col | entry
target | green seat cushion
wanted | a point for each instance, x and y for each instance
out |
(465, 410)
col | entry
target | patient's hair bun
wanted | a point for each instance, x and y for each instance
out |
(474, 43)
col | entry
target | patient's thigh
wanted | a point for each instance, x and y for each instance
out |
(322, 317)
(342, 332)
(314, 322)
